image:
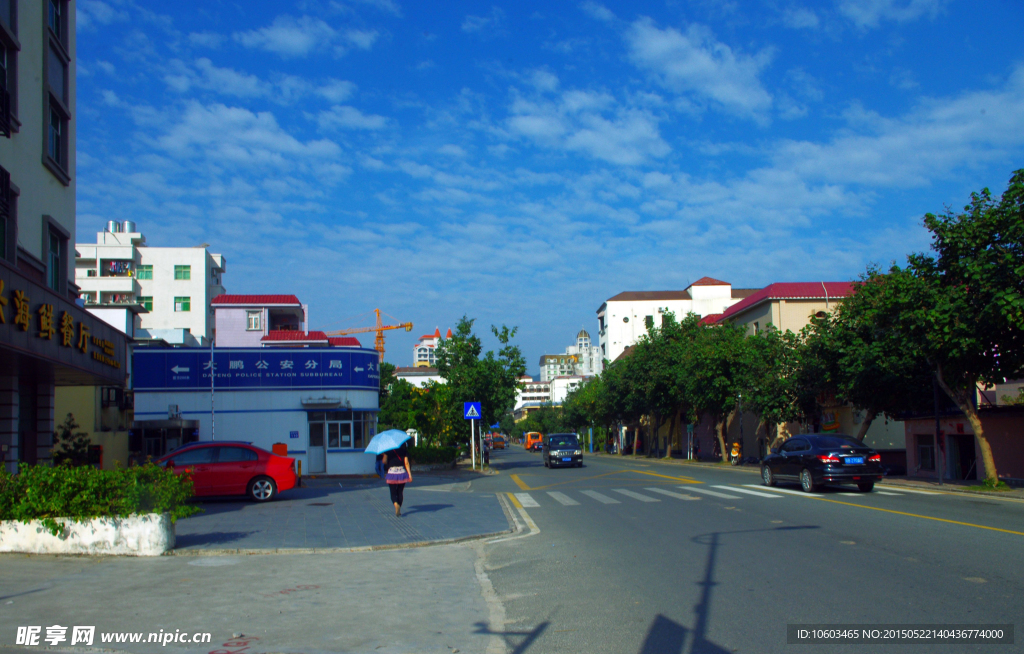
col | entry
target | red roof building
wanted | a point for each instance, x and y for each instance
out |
(424, 352)
(786, 305)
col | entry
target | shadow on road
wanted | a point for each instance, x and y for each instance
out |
(212, 538)
(427, 508)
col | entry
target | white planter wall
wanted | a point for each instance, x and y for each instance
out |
(151, 534)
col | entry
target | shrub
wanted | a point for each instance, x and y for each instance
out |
(426, 455)
(50, 494)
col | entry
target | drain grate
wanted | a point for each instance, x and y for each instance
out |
(320, 504)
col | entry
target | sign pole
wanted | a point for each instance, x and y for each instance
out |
(472, 445)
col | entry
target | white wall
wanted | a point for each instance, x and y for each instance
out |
(262, 418)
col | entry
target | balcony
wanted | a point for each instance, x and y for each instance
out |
(105, 285)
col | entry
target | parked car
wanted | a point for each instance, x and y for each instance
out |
(562, 450)
(534, 441)
(232, 468)
(499, 442)
(818, 459)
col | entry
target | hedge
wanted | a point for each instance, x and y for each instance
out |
(49, 493)
(425, 455)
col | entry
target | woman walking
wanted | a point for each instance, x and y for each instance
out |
(396, 462)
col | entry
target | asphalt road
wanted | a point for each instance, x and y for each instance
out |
(630, 555)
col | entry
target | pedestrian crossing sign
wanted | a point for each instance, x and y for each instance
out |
(471, 410)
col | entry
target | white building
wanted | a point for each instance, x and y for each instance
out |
(175, 285)
(624, 318)
(424, 352)
(581, 359)
(419, 376)
(562, 386)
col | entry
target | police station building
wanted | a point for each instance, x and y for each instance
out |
(320, 401)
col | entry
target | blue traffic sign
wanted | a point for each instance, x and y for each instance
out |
(240, 369)
(472, 411)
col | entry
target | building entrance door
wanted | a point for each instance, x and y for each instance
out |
(316, 453)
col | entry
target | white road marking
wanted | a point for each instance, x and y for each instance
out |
(563, 499)
(884, 493)
(784, 490)
(712, 493)
(603, 499)
(749, 492)
(636, 496)
(678, 496)
(526, 500)
(907, 490)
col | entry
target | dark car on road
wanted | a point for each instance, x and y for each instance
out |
(232, 468)
(562, 450)
(818, 459)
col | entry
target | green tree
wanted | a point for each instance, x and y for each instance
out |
(70, 447)
(491, 379)
(715, 368)
(771, 384)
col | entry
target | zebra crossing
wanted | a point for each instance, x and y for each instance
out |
(691, 492)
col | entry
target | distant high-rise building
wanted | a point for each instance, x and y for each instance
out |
(424, 353)
(581, 359)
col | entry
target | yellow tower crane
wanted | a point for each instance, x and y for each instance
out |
(379, 328)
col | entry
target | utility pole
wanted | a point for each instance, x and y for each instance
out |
(213, 414)
(938, 435)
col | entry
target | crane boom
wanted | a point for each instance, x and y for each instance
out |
(379, 328)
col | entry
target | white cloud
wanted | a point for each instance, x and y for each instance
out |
(479, 24)
(91, 13)
(800, 18)
(297, 37)
(870, 13)
(589, 122)
(240, 137)
(336, 90)
(696, 63)
(903, 79)
(206, 39)
(936, 138)
(598, 11)
(451, 150)
(345, 117)
(387, 6)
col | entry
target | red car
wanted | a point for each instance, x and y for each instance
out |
(232, 468)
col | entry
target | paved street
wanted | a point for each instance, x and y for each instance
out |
(622, 555)
(635, 556)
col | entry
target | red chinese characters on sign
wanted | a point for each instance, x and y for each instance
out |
(67, 329)
(21, 312)
(83, 338)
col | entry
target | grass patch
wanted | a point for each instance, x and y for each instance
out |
(989, 486)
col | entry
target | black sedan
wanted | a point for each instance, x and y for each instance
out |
(818, 459)
(562, 450)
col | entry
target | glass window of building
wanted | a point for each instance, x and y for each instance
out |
(183, 272)
(144, 272)
(182, 304)
(252, 320)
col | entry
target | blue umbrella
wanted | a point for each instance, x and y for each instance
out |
(386, 441)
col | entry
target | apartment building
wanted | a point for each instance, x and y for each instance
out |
(424, 352)
(175, 286)
(582, 359)
(624, 318)
(46, 338)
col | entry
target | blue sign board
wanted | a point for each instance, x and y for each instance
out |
(471, 410)
(255, 369)
(293, 434)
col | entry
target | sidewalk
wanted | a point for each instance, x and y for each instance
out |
(335, 514)
(948, 486)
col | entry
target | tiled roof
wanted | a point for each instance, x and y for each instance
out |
(344, 341)
(628, 296)
(791, 291)
(294, 336)
(421, 370)
(256, 299)
(710, 319)
(709, 281)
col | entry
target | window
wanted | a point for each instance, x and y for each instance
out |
(231, 454)
(182, 304)
(194, 456)
(144, 272)
(757, 328)
(55, 248)
(9, 47)
(252, 320)
(146, 301)
(8, 216)
(183, 272)
(58, 106)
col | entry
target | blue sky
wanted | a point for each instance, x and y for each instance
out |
(522, 162)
